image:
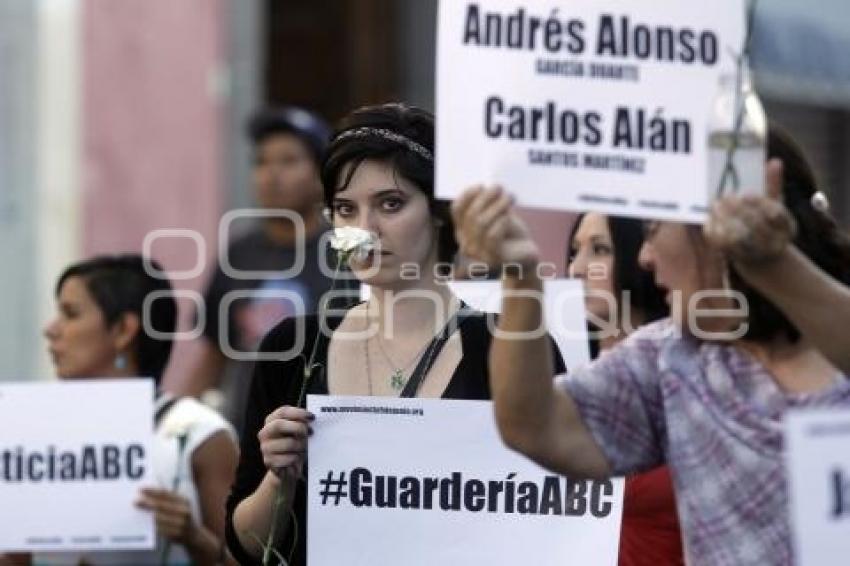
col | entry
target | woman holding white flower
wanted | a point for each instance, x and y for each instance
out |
(413, 337)
(99, 333)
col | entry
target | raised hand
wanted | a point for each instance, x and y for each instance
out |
(488, 228)
(752, 229)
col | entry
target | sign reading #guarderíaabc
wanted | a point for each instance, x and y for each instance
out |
(818, 463)
(428, 481)
(586, 105)
(73, 456)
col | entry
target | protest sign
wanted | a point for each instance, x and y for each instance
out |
(428, 481)
(585, 105)
(73, 456)
(818, 462)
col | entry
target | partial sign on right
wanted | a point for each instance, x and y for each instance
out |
(818, 460)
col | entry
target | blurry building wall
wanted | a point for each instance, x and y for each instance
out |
(112, 126)
(39, 172)
(20, 287)
(331, 55)
(153, 100)
(245, 31)
(824, 134)
(803, 75)
(151, 119)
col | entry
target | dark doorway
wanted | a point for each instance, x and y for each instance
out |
(331, 55)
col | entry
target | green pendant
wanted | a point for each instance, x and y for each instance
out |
(397, 380)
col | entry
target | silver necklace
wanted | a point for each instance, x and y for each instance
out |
(397, 376)
(366, 355)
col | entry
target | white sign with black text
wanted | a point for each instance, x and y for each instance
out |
(586, 105)
(818, 463)
(73, 456)
(428, 481)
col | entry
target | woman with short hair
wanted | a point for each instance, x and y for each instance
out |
(104, 329)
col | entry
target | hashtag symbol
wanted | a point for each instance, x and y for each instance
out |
(334, 488)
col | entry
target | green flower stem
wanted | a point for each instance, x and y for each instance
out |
(268, 548)
(175, 483)
(308, 368)
(277, 508)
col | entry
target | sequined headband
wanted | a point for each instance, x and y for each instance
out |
(387, 135)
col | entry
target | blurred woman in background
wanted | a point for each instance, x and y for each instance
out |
(101, 331)
(620, 296)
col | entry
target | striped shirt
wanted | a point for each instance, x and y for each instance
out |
(713, 414)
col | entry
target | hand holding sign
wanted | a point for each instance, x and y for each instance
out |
(753, 229)
(283, 441)
(70, 488)
(488, 229)
(172, 514)
(434, 479)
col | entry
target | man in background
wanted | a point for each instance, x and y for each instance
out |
(288, 145)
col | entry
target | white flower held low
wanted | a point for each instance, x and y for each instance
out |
(178, 424)
(353, 242)
(181, 418)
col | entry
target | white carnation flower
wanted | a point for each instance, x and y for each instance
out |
(180, 420)
(352, 241)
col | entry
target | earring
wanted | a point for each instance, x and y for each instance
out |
(121, 361)
(820, 202)
(328, 215)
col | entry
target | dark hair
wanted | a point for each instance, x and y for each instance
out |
(818, 237)
(415, 124)
(119, 285)
(307, 126)
(628, 275)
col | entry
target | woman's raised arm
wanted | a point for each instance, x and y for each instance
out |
(533, 417)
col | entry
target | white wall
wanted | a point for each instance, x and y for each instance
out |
(39, 174)
(58, 150)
